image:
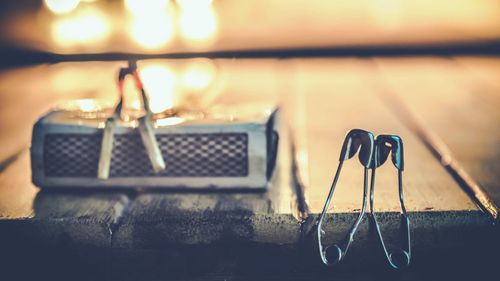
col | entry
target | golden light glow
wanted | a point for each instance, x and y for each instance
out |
(193, 4)
(199, 86)
(198, 24)
(145, 8)
(153, 31)
(387, 14)
(87, 26)
(152, 22)
(160, 84)
(85, 105)
(61, 6)
(198, 75)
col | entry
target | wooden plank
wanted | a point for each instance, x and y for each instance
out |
(326, 87)
(321, 99)
(482, 71)
(458, 100)
(339, 97)
(86, 219)
(16, 190)
(341, 94)
(27, 215)
(329, 93)
(81, 218)
(53, 235)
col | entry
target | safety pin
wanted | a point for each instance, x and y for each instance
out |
(109, 132)
(385, 145)
(355, 140)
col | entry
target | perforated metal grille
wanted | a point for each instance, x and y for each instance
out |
(186, 155)
(71, 155)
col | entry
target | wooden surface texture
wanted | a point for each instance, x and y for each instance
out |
(457, 99)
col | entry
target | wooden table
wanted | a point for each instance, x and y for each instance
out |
(445, 109)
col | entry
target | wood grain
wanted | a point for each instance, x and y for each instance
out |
(81, 218)
(458, 100)
(340, 96)
(17, 191)
(321, 100)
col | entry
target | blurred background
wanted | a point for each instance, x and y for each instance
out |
(168, 26)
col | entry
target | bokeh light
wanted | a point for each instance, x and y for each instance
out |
(87, 26)
(199, 83)
(193, 4)
(160, 83)
(198, 24)
(151, 23)
(198, 75)
(85, 105)
(145, 8)
(152, 32)
(61, 6)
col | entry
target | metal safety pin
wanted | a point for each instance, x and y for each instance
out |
(145, 127)
(107, 141)
(385, 145)
(355, 140)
